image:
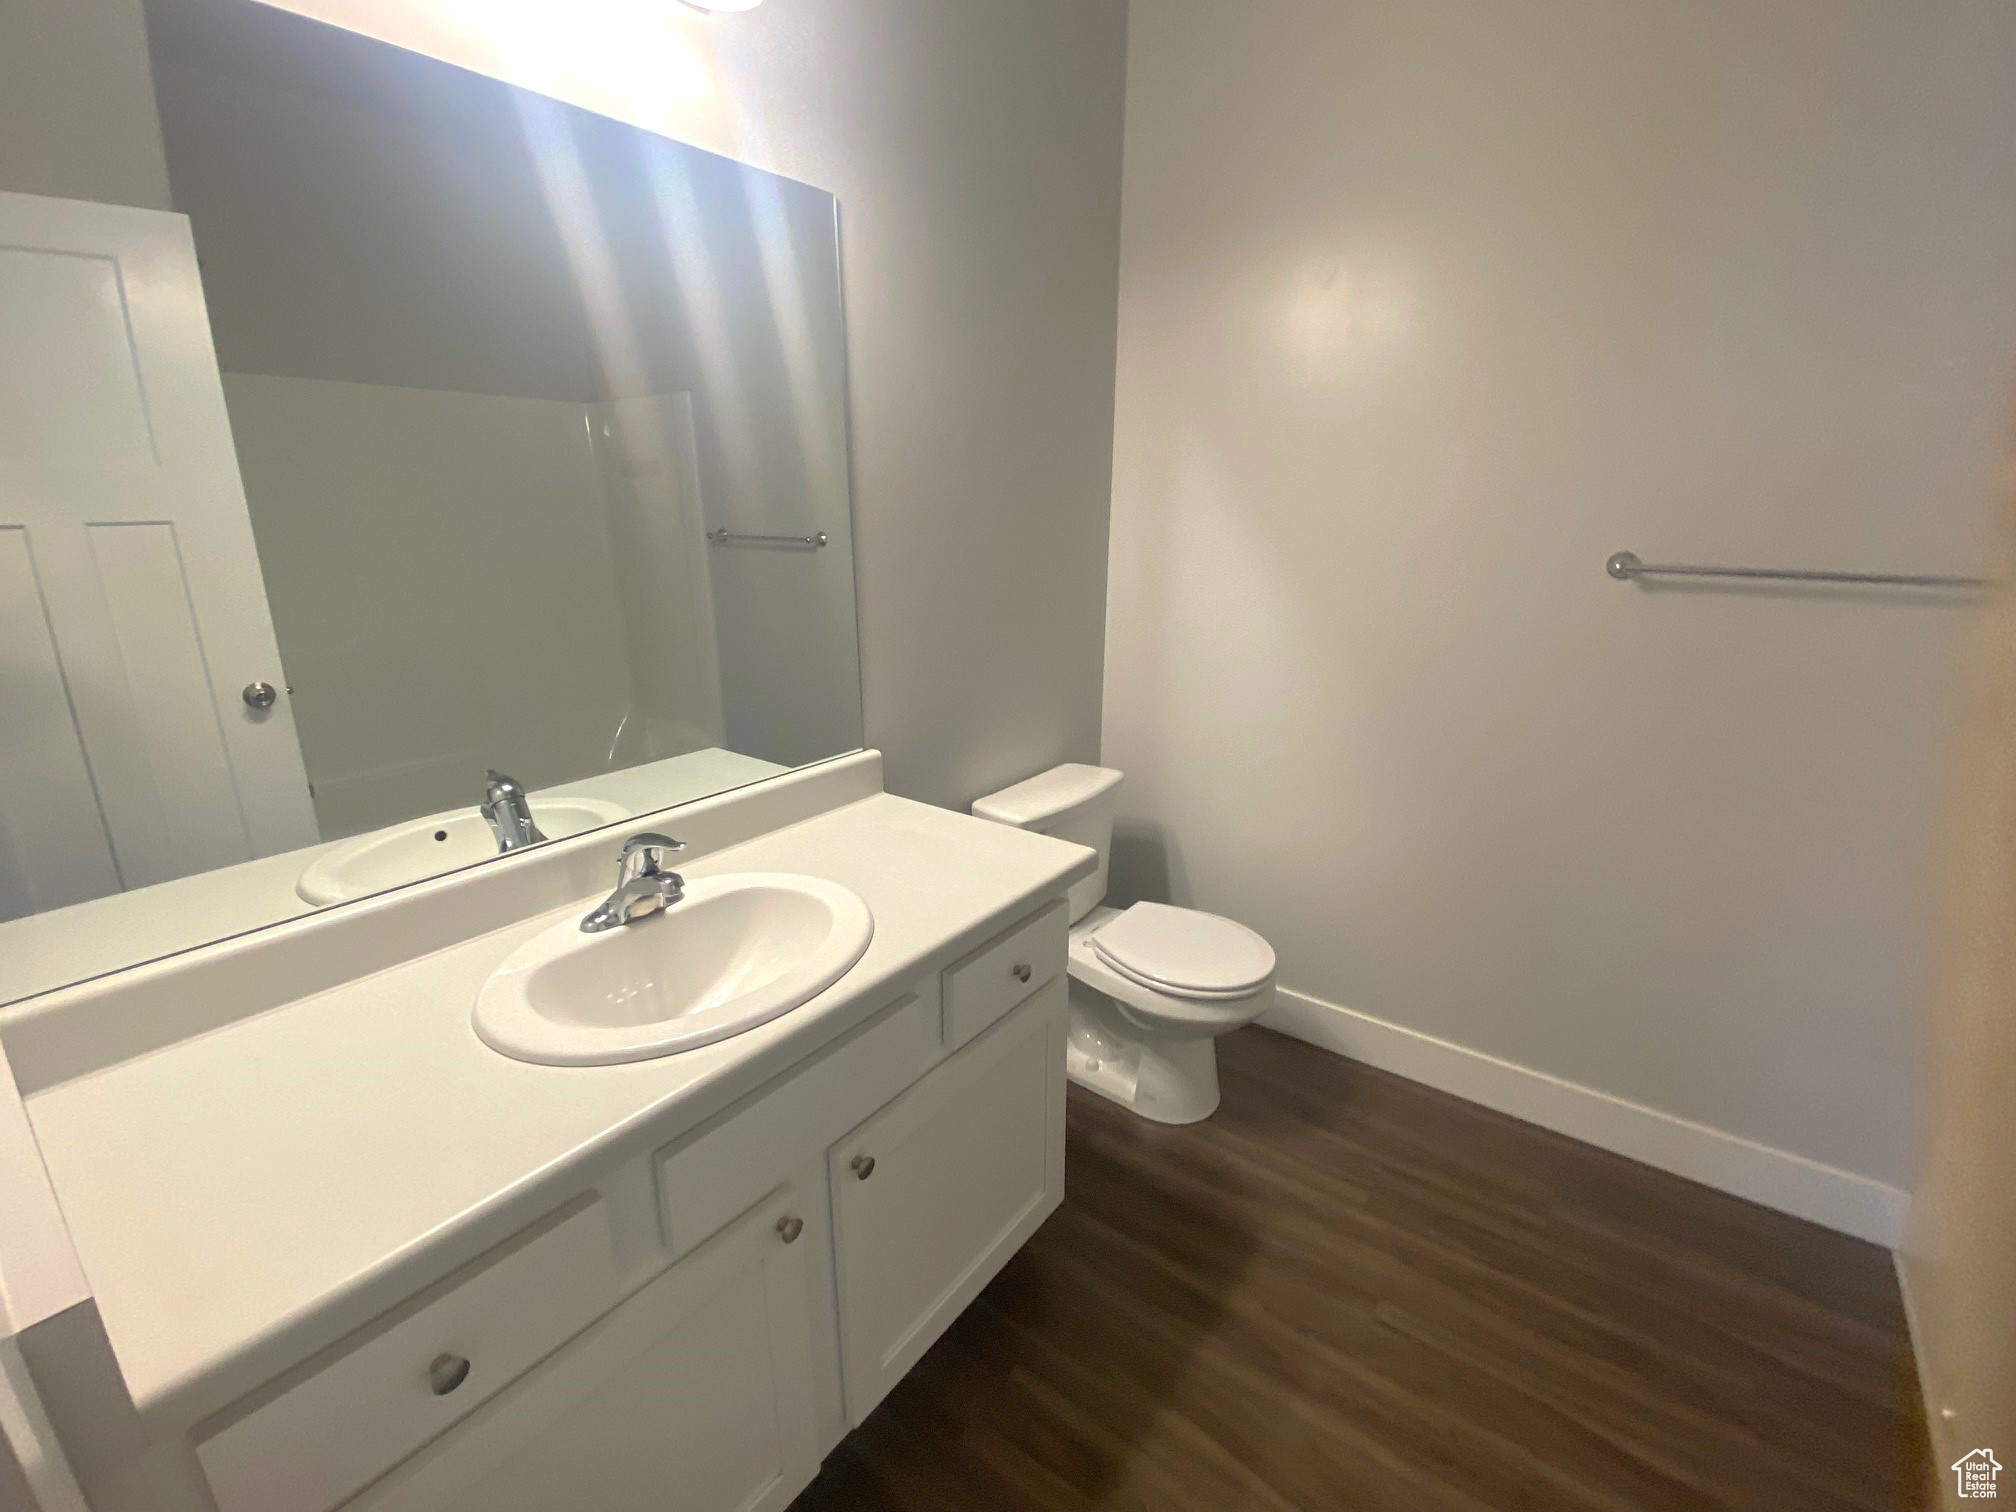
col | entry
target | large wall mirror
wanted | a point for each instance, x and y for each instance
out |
(487, 485)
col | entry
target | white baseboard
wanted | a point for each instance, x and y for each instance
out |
(1823, 1194)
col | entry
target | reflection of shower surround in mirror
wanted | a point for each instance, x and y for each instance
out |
(494, 369)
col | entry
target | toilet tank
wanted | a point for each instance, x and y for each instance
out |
(1073, 802)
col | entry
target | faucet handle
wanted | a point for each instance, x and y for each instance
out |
(644, 855)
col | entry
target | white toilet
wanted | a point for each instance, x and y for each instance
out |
(1151, 986)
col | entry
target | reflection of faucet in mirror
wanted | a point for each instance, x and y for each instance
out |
(643, 886)
(509, 813)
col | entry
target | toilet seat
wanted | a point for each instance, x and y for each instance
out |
(1182, 952)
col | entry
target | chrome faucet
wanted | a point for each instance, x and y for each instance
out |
(643, 886)
(510, 815)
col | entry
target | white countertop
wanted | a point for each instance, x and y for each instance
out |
(224, 1188)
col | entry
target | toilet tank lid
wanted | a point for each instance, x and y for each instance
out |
(1046, 795)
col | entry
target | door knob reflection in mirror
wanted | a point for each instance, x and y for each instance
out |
(260, 695)
(1022, 971)
(788, 1229)
(863, 1166)
(445, 1372)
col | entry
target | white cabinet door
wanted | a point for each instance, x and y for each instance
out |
(935, 1192)
(695, 1395)
(132, 611)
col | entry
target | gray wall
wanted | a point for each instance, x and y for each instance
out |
(975, 151)
(1426, 310)
(76, 103)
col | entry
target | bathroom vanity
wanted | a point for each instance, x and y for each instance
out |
(348, 1255)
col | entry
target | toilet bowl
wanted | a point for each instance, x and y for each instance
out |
(1146, 1044)
(1151, 986)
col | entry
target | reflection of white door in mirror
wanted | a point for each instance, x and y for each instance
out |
(132, 610)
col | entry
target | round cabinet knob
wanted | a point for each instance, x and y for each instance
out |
(863, 1166)
(1022, 971)
(446, 1372)
(788, 1229)
(259, 695)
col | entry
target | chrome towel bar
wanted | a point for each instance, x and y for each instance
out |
(732, 538)
(1625, 566)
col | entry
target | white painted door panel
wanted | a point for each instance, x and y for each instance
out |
(134, 610)
(693, 1396)
(966, 1165)
(53, 845)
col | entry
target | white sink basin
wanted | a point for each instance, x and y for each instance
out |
(428, 847)
(735, 952)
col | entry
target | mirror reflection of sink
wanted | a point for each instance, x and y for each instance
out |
(735, 952)
(440, 843)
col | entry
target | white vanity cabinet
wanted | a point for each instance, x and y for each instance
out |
(696, 1393)
(933, 1193)
(809, 1242)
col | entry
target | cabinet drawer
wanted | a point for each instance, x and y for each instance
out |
(709, 1177)
(319, 1433)
(1003, 972)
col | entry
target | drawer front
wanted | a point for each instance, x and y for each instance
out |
(355, 1416)
(1003, 972)
(707, 1179)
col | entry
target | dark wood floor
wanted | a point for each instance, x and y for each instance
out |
(1346, 1291)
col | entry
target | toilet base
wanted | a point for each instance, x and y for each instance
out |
(1172, 1081)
